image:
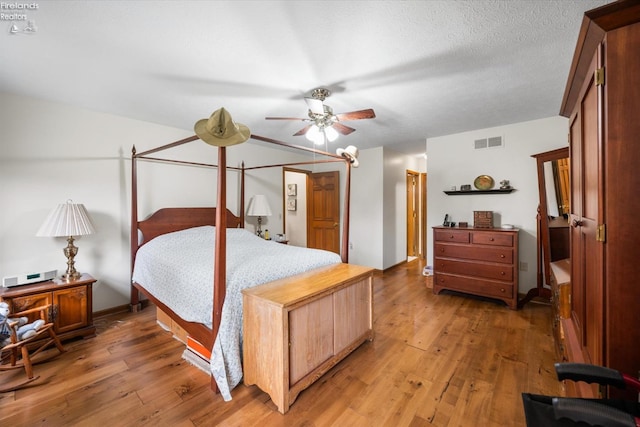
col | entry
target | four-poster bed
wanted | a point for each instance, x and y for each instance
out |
(167, 222)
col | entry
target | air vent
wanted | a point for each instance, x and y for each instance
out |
(495, 141)
(491, 142)
(480, 143)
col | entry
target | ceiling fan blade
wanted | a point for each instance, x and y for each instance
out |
(285, 118)
(356, 115)
(302, 131)
(345, 130)
(315, 105)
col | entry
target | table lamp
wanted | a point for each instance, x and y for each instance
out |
(258, 206)
(68, 220)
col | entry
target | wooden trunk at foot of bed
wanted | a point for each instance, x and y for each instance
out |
(297, 328)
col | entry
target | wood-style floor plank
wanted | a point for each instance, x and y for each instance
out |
(446, 360)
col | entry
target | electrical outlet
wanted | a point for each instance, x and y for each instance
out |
(524, 266)
(350, 245)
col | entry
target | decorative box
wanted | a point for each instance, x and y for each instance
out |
(483, 219)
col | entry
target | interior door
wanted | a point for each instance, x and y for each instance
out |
(423, 215)
(413, 206)
(323, 211)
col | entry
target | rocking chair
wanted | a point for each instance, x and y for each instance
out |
(17, 354)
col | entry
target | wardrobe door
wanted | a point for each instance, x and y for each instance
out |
(587, 283)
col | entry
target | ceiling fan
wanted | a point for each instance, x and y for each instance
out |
(322, 119)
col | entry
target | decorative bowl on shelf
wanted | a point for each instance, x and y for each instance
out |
(484, 182)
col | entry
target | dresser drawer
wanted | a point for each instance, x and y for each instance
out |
(488, 271)
(456, 236)
(473, 286)
(501, 255)
(496, 239)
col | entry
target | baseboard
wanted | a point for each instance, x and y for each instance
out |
(118, 309)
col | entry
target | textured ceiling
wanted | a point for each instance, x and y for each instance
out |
(427, 68)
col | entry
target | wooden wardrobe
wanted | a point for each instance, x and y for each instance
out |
(602, 102)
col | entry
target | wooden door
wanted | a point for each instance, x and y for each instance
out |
(323, 211)
(24, 303)
(586, 251)
(412, 213)
(71, 306)
(423, 215)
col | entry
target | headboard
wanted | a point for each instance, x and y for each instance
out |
(168, 220)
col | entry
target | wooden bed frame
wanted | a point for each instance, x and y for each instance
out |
(174, 219)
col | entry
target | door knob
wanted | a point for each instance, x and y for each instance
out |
(576, 223)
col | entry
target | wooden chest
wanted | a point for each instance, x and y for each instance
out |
(477, 261)
(297, 328)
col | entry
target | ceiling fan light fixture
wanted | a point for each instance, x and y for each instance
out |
(331, 133)
(313, 134)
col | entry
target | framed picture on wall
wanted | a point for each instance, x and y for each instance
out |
(292, 190)
(291, 204)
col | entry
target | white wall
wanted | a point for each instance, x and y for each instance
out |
(366, 210)
(378, 218)
(53, 152)
(296, 221)
(452, 160)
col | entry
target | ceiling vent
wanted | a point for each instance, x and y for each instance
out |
(491, 142)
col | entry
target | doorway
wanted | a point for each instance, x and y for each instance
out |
(416, 185)
(312, 209)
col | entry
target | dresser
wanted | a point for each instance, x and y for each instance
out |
(602, 100)
(478, 261)
(297, 328)
(71, 304)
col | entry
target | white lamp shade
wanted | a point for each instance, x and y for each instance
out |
(258, 206)
(68, 219)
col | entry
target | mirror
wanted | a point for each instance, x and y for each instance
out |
(552, 217)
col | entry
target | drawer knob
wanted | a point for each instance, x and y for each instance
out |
(491, 239)
(451, 237)
(502, 256)
(502, 290)
(502, 273)
(441, 249)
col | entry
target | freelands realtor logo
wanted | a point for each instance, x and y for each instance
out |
(17, 13)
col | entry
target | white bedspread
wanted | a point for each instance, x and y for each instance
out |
(177, 268)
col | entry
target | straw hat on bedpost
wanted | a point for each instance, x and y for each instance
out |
(220, 130)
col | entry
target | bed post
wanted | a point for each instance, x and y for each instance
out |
(134, 303)
(242, 196)
(220, 254)
(345, 220)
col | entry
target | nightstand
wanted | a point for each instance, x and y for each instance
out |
(72, 304)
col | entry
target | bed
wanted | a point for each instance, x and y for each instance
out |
(218, 323)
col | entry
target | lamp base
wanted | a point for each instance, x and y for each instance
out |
(70, 252)
(259, 229)
(71, 277)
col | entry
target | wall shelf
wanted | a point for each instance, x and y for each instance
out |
(497, 191)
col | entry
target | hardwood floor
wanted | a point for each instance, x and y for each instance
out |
(445, 360)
